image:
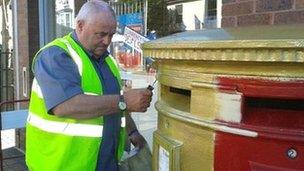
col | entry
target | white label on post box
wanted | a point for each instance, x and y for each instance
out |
(163, 159)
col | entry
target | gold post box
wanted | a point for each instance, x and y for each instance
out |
(230, 99)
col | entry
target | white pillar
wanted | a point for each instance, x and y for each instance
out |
(219, 13)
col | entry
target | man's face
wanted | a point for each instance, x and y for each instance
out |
(96, 33)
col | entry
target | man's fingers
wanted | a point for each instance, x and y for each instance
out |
(147, 92)
(138, 100)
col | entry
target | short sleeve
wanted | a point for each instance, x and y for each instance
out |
(57, 76)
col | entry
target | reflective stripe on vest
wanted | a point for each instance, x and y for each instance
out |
(36, 88)
(71, 129)
(74, 55)
(89, 93)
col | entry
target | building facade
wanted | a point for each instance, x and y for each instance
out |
(197, 14)
(237, 13)
(240, 13)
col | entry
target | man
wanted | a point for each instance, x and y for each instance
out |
(77, 112)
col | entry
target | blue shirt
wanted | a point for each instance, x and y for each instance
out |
(59, 80)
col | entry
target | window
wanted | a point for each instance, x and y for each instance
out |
(179, 16)
(211, 14)
(211, 10)
(64, 10)
(68, 20)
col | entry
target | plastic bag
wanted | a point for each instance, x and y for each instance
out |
(142, 160)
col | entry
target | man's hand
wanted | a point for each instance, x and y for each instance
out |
(138, 100)
(137, 140)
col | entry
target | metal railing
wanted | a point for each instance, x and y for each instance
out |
(6, 78)
(128, 7)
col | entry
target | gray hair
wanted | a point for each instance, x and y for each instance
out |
(92, 7)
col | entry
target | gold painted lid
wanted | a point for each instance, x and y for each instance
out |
(263, 43)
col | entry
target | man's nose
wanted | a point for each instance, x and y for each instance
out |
(107, 40)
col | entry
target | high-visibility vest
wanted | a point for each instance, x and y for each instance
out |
(63, 144)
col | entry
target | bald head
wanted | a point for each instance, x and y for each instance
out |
(91, 8)
(95, 26)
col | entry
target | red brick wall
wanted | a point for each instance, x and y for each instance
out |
(33, 32)
(238, 13)
(23, 43)
(23, 53)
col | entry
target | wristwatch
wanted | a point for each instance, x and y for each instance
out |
(122, 104)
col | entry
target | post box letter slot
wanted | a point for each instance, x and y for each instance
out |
(176, 97)
(279, 109)
(180, 91)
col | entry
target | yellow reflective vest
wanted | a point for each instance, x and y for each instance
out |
(64, 144)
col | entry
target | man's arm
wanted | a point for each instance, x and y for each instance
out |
(59, 80)
(130, 124)
(88, 106)
(135, 137)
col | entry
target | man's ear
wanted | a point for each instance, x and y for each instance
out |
(79, 25)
